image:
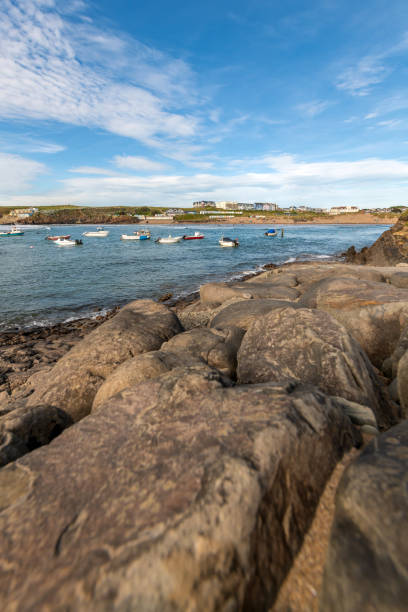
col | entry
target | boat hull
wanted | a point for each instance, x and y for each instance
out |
(96, 234)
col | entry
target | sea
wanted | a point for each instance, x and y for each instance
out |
(42, 284)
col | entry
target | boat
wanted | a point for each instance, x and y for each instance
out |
(142, 235)
(271, 232)
(169, 240)
(62, 242)
(98, 233)
(228, 242)
(196, 236)
(66, 237)
(15, 231)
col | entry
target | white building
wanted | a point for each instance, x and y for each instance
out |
(226, 205)
(341, 210)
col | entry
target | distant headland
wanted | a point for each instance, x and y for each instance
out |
(71, 214)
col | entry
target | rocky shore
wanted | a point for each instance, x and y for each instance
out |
(172, 458)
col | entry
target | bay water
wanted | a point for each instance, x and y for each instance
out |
(42, 284)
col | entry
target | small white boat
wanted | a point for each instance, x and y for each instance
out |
(65, 242)
(98, 233)
(228, 242)
(195, 236)
(169, 240)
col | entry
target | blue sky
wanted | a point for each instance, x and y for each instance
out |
(163, 103)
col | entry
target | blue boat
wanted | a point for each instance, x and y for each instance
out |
(13, 232)
(271, 232)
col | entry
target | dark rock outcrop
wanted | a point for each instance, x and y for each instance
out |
(367, 563)
(24, 429)
(178, 494)
(389, 249)
(307, 346)
(72, 383)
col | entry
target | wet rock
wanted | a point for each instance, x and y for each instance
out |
(374, 313)
(24, 429)
(303, 345)
(180, 494)
(367, 563)
(139, 327)
(218, 348)
(243, 312)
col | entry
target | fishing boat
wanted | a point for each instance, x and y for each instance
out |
(196, 236)
(228, 242)
(169, 240)
(98, 233)
(142, 235)
(15, 231)
(271, 232)
(66, 237)
(135, 237)
(62, 242)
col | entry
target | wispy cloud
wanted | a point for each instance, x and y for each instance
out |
(91, 170)
(17, 173)
(370, 70)
(141, 164)
(74, 74)
(313, 108)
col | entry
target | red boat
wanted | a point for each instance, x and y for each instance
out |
(197, 236)
(67, 237)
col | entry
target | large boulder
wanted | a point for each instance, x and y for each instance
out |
(141, 368)
(275, 277)
(244, 312)
(24, 429)
(374, 313)
(72, 383)
(307, 346)
(178, 494)
(220, 292)
(216, 347)
(367, 563)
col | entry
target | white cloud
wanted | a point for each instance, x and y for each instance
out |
(283, 178)
(314, 108)
(90, 170)
(138, 163)
(17, 173)
(80, 75)
(359, 79)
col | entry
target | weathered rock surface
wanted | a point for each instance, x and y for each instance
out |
(402, 384)
(72, 383)
(220, 292)
(179, 494)
(390, 248)
(141, 368)
(244, 312)
(303, 345)
(367, 563)
(275, 277)
(374, 313)
(25, 429)
(218, 348)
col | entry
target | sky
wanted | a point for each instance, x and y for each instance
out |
(303, 102)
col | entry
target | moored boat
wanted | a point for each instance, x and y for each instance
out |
(98, 233)
(271, 232)
(62, 242)
(15, 231)
(169, 240)
(66, 237)
(196, 236)
(228, 242)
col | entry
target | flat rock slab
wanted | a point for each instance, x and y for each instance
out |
(304, 345)
(220, 292)
(179, 494)
(72, 383)
(244, 312)
(367, 564)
